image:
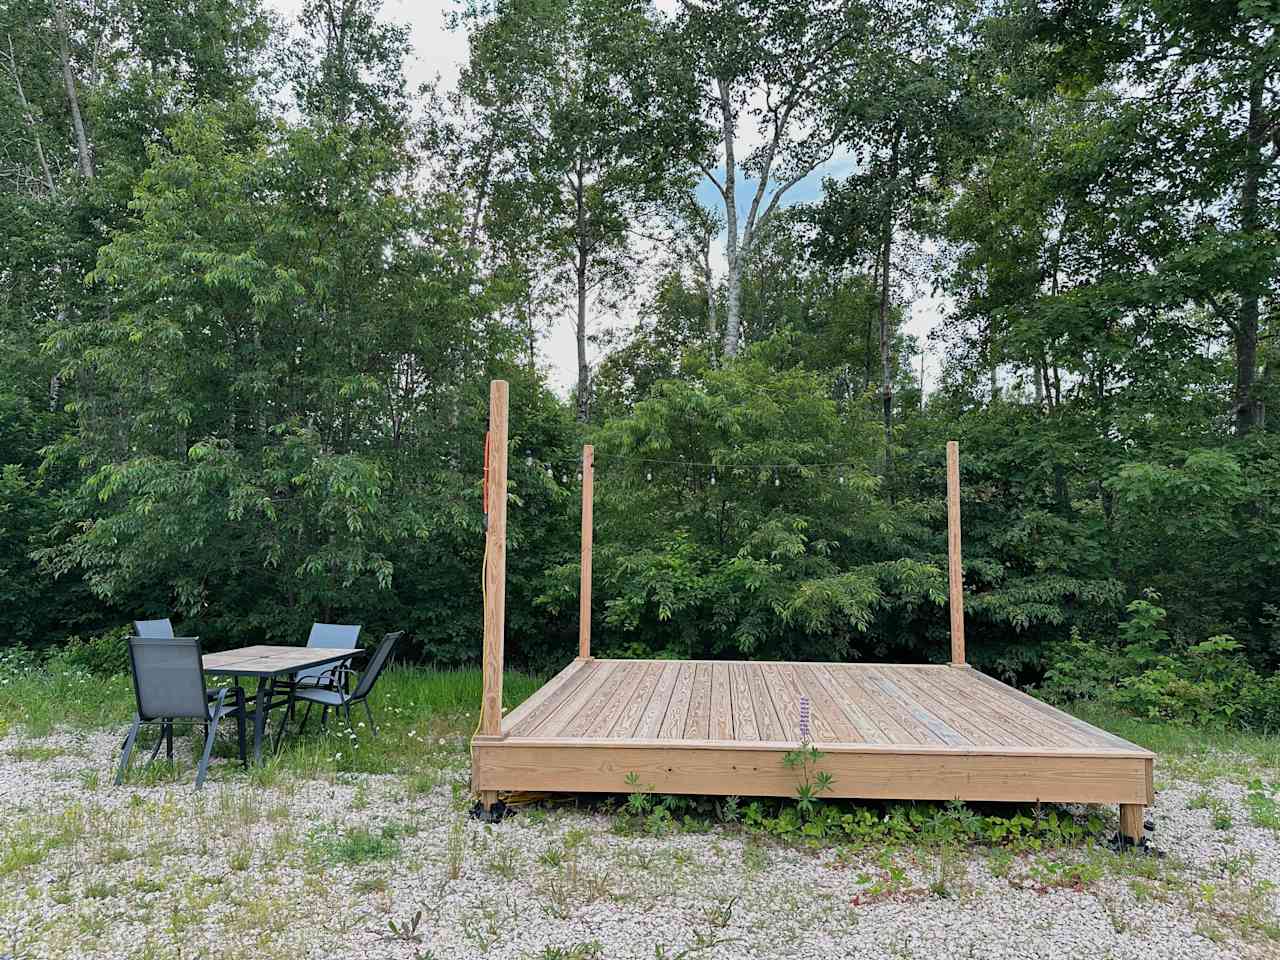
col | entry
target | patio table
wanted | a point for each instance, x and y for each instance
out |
(269, 663)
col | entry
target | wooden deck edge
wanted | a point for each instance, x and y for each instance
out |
(1050, 710)
(883, 774)
(541, 695)
(782, 746)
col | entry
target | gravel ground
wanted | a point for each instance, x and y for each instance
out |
(323, 868)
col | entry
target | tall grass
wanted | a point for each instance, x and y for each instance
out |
(424, 717)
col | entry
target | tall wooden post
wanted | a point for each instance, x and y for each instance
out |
(495, 568)
(584, 591)
(954, 571)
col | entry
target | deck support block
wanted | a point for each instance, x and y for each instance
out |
(1131, 821)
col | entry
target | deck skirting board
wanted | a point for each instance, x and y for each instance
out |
(887, 773)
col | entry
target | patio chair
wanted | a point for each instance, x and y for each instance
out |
(160, 629)
(335, 695)
(168, 685)
(333, 636)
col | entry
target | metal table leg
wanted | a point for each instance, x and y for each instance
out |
(265, 687)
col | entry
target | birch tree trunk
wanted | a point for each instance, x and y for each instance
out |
(580, 277)
(732, 255)
(886, 335)
(1247, 407)
(30, 118)
(73, 98)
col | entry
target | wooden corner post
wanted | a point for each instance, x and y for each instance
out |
(584, 592)
(495, 566)
(954, 571)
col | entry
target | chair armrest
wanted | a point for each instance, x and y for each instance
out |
(337, 674)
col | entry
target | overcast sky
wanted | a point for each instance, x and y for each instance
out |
(437, 51)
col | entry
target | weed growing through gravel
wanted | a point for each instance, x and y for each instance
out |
(1263, 804)
(355, 845)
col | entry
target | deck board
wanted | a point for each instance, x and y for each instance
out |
(698, 724)
(912, 731)
(766, 713)
(954, 710)
(655, 710)
(721, 702)
(745, 726)
(673, 721)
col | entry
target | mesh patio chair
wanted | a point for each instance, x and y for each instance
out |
(168, 685)
(337, 636)
(335, 696)
(333, 636)
(161, 629)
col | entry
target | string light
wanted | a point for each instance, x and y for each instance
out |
(648, 475)
(528, 459)
(713, 478)
(777, 482)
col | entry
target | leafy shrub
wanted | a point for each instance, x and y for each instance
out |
(1159, 677)
(106, 655)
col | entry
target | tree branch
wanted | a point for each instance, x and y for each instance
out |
(30, 117)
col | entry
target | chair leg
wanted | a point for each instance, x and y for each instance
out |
(208, 750)
(155, 751)
(244, 751)
(288, 715)
(305, 717)
(127, 749)
(168, 750)
(372, 726)
(324, 718)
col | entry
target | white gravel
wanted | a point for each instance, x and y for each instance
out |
(91, 870)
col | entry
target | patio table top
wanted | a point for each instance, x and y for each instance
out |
(265, 660)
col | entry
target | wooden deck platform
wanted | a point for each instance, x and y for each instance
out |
(887, 731)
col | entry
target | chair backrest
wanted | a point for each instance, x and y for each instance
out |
(340, 636)
(153, 628)
(168, 679)
(376, 662)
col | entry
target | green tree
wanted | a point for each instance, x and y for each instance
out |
(768, 72)
(582, 139)
(1203, 84)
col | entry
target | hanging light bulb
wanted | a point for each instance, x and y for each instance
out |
(842, 478)
(549, 473)
(564, 478)
(648, 474)
(579, 476)
(528, 459)
(713, 478)
(777, 482)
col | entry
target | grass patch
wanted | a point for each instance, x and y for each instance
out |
(356, 845)
(425, 719)
(40, 700)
